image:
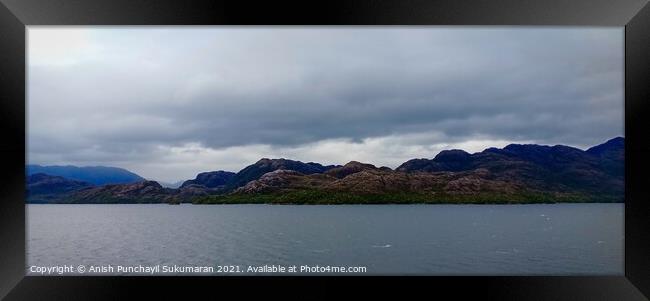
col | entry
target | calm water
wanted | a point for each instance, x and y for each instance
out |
(558, 239)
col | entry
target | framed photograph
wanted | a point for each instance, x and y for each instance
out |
(486, 149)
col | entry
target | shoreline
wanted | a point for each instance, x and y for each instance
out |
(331, 204)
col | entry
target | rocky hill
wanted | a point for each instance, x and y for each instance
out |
(140, 192)
(599, 170)
(43, 188)
(212, 179)
(265, 165)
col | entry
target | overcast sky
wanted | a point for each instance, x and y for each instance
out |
(169, 102)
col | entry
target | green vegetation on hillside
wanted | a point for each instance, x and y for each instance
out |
(318, 197)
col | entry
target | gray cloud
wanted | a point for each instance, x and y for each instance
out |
(131, 96)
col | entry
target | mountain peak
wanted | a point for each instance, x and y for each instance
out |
(357, 163)
(515, 147)
(210, 179)
(614, 144)
(452, 154)
(349, 168)
(265, 165)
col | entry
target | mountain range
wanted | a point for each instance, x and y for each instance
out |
(517, 173)
(97, 175)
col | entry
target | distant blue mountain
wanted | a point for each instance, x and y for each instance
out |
(97, 175)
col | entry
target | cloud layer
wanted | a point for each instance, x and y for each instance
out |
(170, 102)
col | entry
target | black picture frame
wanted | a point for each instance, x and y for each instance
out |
(633, 14)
